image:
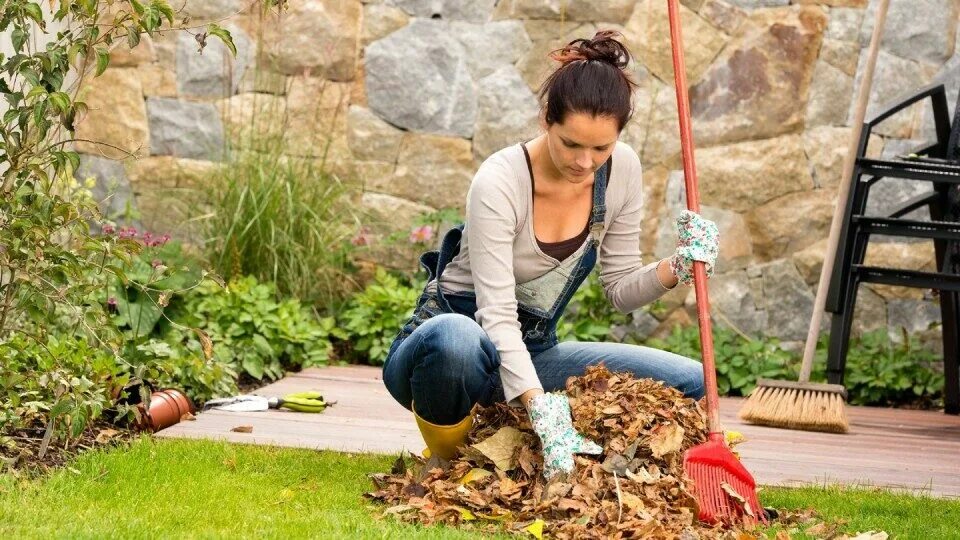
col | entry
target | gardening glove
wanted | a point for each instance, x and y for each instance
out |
(699, 240)
(551, 419)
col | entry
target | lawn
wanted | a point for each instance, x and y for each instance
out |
(201, 489)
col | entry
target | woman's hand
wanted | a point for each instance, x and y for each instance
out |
(551, 418)
(699, 240)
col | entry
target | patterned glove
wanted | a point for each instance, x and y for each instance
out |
(551, 418)
(699, 240)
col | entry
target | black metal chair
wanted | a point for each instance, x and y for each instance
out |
(939, 165)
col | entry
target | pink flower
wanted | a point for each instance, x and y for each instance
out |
(111, 304)
(108, 229)
(127, 232)
(156, 263)
(421, 234)
(362, 238)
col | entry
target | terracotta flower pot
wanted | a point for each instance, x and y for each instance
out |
(166, 408)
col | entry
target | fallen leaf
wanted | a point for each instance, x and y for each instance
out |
(500, 446)
(465, 514)
(666, 440)
(399, 509)
(242, 429)
(737, 497)
(106, 434)
(536, 529)
(188, 416)
(475, 474)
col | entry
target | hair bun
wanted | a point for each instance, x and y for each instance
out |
(603, 47)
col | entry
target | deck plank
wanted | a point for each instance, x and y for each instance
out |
(917, 451)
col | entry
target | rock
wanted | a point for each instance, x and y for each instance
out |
(642, 324)
(166, 190)
(417, 79)
(506, 112)
(209, 10)
(320, 37)
(184, 129)
(477, 11)
(845, 23)
(380, 20)
(736, 250)
(252, 120)
(733, 305)
(663, 140)
(723, 15)
(759, 84)
(893, 76)
(826, 148)
(743, 176)
(112, 191)
(842, 55)
(611, 11)
(387, 215)
(869, 313)
(317, 122)
(654, 186)
(370, 138)
(677, 318)
(373, 173)
(923, 31)
(830, 96)
(913, 316)
(635, 132)
(157, 80)
(123, 56)
(215, 72)
(910, 256)
(790, 223)
(753, 4)
(835, 3)
(647, 34)
(809, 261)
(431, 169)
(491, 46)
(117, 116)
(545, 37)
(786, 300)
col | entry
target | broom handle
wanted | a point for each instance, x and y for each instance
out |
(846, 180)
(693, 204)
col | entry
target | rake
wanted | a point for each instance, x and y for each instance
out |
(725, 490)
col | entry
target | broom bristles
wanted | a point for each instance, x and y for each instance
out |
(796, 408)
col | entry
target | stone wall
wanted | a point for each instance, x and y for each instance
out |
(411, 95)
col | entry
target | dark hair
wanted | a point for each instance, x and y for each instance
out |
(591, 79)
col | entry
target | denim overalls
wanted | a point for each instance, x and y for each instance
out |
(541, 301)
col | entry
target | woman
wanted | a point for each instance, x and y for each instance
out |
(539, 215)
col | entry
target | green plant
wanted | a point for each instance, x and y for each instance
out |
(372, 318)
(255, 333)
(590, 316)
(878, 372)
(281, 219)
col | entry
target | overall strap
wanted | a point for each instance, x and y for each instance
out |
(599, 212)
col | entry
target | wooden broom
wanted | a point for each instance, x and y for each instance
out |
(802, 404)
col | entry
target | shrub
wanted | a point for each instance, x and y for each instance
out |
(373, 317)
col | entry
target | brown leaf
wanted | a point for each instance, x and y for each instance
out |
(242, 429)
(188, 417)
(106, 434)
(501, 446)
(666, 440)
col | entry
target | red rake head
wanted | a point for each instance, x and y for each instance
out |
(725, 490)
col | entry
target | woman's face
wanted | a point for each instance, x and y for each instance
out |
(581, 144)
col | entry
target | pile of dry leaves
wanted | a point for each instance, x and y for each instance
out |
(636, 489)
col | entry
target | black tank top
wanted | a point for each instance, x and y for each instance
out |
(564, 248)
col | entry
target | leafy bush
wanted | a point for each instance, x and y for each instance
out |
(253, 332)
(372, 318)
(878, 372)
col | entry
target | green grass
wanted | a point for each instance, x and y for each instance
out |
(195, 489)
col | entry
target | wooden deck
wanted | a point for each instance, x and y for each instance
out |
(911, 450)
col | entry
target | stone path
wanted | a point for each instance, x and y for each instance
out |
(902, 449)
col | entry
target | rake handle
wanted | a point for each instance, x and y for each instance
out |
(693, 204)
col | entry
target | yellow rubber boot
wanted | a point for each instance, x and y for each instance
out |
(442, 441)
